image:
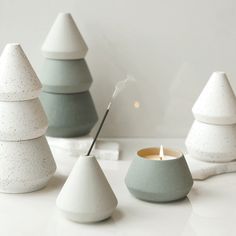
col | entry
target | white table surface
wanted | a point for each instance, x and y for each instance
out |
(209, 209)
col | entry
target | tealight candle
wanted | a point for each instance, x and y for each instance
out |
(161, 156)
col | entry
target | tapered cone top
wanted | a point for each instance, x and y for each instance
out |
(217, 102)
(18, 81)
(87, 195)
(64, 40)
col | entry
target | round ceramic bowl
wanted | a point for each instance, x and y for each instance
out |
(22, 120)
(159, 180)
(69, 115)
(212, 143)
(65, 76)
(25, 166)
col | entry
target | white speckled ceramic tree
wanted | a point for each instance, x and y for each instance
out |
(26, 162)
(212, 137)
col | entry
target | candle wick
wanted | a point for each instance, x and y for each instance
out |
(161, 152)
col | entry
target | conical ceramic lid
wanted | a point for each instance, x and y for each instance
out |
(18, 80)
(87, 195)
(64, 40)
(217, 102)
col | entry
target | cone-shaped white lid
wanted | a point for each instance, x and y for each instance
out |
(87, 196)
(64, 40)
(18, 81)
(217, 102)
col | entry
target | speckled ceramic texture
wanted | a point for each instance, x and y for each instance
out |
(25, 166)
(22, 120)
(159, 180)
(18, 80)
(65, 76)
(217, 102)
(64, 41)
(86, 196)
(212, 143)
(69, 115)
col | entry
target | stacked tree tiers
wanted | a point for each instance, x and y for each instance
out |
(212, 137)
(26, 162)
(66, 81)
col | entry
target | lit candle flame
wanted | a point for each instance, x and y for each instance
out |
(161, 154)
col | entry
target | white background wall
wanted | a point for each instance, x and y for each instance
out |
(171, 47)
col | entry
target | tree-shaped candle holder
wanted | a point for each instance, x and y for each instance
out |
(66, 81)
(26, 162)
(212, 137)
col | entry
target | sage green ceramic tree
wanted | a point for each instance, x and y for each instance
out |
(66, 81)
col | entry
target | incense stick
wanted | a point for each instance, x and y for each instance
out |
(118, 88)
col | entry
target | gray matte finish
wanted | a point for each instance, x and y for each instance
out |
(65, 76)
(69, 115)
(159, 181)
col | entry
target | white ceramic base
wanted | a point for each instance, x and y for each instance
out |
(25, 166)
(212, 143)
(201, 170)
(74, 147)
(87, 218)
(70, 144)
(86, 196)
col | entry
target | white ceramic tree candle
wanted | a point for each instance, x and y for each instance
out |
(212, 137)
(26, 162)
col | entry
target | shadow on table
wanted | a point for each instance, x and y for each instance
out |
(55, 183)
(116, 216)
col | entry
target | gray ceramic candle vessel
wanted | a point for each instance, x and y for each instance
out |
(69, 115)
(159, 180)
(65, 76)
